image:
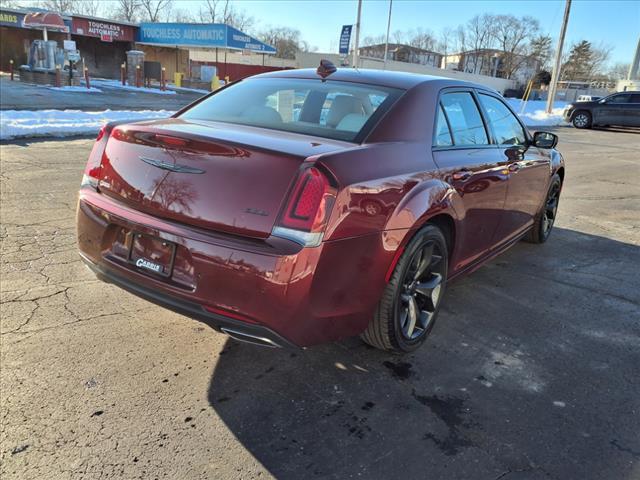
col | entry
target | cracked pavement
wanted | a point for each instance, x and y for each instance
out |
(532, 371)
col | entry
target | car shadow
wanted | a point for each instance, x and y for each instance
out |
(504, 384)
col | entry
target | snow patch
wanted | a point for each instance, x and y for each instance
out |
(534, 115)
(62, 123)
(117, 85)
(75, 88)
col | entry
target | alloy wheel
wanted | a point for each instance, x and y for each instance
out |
(550, 209)
(581, 120)
(421, 291)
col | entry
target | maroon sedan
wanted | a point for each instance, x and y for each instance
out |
(302, 206)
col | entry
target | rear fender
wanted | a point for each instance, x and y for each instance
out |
(430, 198)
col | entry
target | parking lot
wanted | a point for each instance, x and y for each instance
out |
(531, 373)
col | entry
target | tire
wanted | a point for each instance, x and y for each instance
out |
(546, 218)
(581, 119)
(411, 298)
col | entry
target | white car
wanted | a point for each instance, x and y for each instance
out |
(588, 98)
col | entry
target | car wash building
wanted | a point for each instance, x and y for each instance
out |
(103, 43)
(188, 47)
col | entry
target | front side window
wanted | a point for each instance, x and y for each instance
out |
(465, 121)
(504, 124)
(626, 98)
(338, 110)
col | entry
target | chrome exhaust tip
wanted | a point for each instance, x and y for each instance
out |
(248, 338)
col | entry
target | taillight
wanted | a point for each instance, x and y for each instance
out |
(305, 216)
(92, 170)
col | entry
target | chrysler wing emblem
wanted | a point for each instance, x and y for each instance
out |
(172, 167)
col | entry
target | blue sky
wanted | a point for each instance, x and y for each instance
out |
(616, 23)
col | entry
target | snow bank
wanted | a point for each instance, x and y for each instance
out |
(62, 123)
(534, 114)
(117, 84)
(75, 88)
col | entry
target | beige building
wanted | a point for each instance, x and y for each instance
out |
(493, 63)
(403, 53)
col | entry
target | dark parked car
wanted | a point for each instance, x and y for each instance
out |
(282, 221)
(620, 109)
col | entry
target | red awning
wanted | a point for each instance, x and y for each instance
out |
(48, 20)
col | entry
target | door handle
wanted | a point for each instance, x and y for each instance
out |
(462, 175)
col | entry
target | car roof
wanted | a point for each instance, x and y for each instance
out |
(403, 80)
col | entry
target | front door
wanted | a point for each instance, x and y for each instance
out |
(613, 110)
(528, 168)
(469, 164)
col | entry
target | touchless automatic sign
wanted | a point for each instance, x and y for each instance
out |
(203, 35)
(345, 39)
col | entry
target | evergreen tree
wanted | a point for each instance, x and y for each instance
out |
(579, 64)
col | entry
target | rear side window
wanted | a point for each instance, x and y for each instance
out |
(504, 124)
(331, 109)
(635, 98)
(443, 135)
(465, 121)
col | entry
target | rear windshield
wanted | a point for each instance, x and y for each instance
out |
(338, 110)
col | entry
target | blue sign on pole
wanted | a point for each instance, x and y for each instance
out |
(345, 39)
(200, 35)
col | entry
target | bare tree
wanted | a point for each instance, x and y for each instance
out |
(477, 35)
(221, 11)
(599, 57)
(513, 36)
(423, 39)
(128, 10)
(212, 11)
(152, 9)
(399, 36)
(445, 43)
(239, 19)
(285, 40)
(181, 15)
(619, 71)
(62, 6)
(372, 40)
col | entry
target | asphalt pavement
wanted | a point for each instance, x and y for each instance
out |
(532, 372)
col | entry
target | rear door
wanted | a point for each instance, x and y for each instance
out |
(469, 163)
(528, 167)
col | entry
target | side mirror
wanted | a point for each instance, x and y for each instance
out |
(545, 140)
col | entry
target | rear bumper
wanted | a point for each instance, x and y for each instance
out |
(273, 289)
(240, 330)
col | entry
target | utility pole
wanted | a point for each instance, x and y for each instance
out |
(386, 43)
(555, 75)
(357, 41)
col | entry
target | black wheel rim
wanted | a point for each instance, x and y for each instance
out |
(421, 291)
(550, 209)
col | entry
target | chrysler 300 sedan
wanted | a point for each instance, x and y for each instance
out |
(304, 206)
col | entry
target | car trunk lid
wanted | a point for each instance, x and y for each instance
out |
(217, 176)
